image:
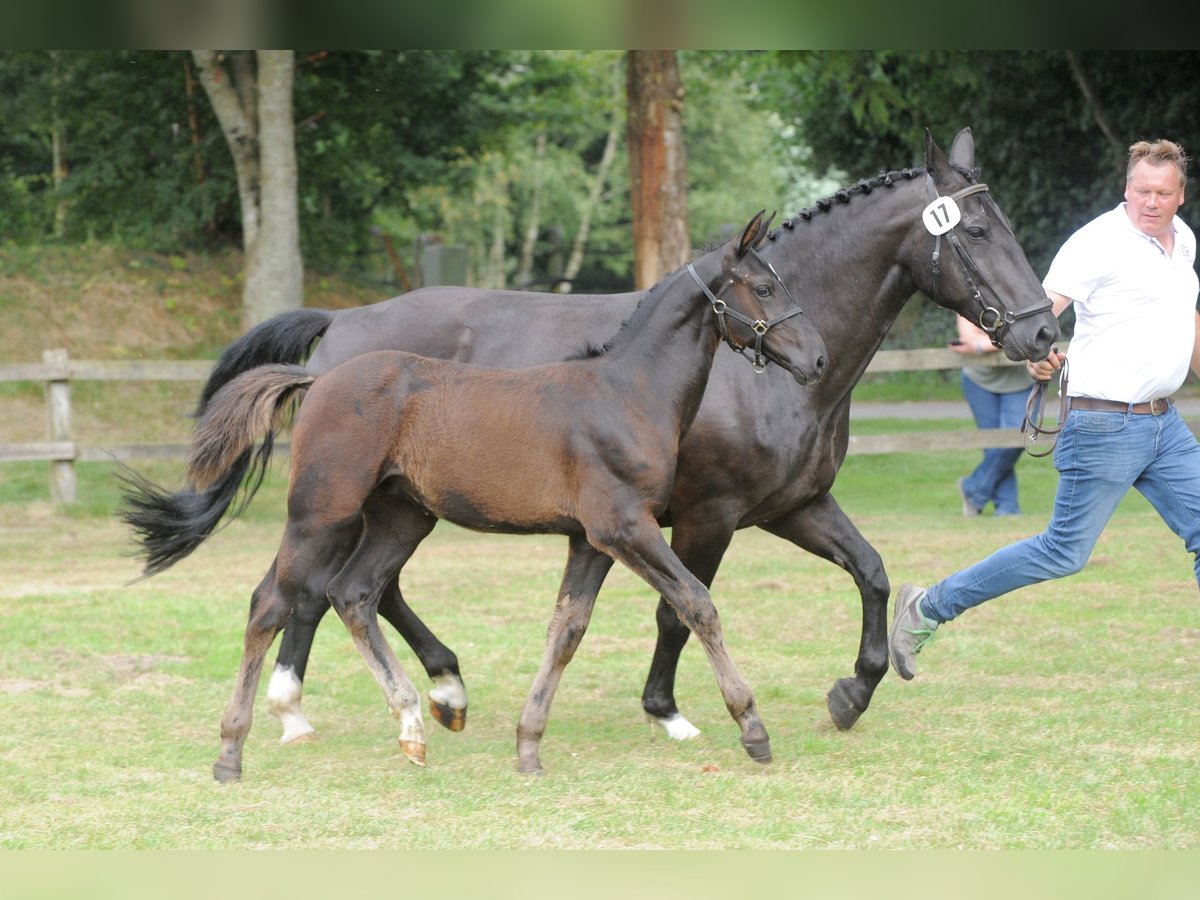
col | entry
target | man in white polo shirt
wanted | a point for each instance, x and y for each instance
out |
(1130, 273)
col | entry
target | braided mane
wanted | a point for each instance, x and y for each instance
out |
(865, 186)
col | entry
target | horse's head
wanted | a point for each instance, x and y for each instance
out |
(974, 264)
(755, 309)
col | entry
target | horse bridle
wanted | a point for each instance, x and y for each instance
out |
(994, 320)
(758, 326)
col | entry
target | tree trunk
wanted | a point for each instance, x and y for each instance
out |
(58, 145)
(534, 225)
(657, 164)
(254, 109)
(575, 261)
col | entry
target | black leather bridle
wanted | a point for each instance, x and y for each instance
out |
(994, 320)
(758, 326)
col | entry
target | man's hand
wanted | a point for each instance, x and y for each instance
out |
(1044, 370)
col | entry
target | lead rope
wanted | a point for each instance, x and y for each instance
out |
(1035, 414)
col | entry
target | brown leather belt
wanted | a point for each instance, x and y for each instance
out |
(1153, 407)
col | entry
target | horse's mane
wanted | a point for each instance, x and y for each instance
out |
(865, 186)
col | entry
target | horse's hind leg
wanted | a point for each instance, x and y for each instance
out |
(448, 696)
(301, 568)
(285, 689)
(581, 583)
(354, 593)
(823, 529)
(268, 611)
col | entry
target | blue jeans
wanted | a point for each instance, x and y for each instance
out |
(994, 479)
(1099, 456)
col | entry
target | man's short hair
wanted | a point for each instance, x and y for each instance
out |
(1158, 153)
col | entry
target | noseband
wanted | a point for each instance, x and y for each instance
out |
(995, 320)
(758, 326)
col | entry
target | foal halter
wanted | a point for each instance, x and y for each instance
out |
(995, 320)
(758, 326)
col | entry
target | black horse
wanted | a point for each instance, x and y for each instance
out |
(758, 454)
(585, 448)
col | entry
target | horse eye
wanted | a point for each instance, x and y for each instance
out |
(763, 290)
(976, 233)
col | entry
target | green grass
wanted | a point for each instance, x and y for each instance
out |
(1063, 716)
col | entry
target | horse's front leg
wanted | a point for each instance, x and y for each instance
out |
(581, 582)
(640, 545)
(700, 549)
(823, 529)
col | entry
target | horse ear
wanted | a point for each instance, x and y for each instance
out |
(763, 230)
(750, 236)
(935, 159)
(962, 151)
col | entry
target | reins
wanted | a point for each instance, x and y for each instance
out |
(1035, 414)
(758, 326)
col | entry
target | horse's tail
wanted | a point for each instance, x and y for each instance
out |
(239, 415)
(171, 525)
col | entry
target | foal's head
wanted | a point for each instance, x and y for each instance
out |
(756, 311)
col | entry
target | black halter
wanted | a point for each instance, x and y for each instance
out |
(995, 320)
(758, 326)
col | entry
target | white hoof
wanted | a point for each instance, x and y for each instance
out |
(677, 728)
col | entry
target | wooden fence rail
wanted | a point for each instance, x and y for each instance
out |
(56, 371)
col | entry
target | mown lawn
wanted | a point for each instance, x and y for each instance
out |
(1063, 716)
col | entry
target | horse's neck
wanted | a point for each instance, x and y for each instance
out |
(671, 319)
(669, 341)
(854, 267)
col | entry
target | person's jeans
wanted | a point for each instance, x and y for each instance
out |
(1099, 456)
(994, 479)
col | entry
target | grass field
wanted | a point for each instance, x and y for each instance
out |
(1064, 716)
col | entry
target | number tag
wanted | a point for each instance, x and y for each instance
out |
(941, 215)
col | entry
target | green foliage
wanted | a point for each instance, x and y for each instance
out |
(441, 142)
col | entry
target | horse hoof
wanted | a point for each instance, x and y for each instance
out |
(843, 712)
(535, 771)
(453, 718)
(226, 774)
(759, 751)
(414, 751)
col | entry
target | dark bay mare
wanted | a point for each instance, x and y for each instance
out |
(586, 448)
(759, 453)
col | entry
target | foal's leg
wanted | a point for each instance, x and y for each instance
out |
(581, 583)
(823, 529)
(354, 593)
(307, 555)
(640, 545)
(268, 611)
(701, 550)
(448, 697)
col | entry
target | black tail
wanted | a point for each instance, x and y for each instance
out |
(169, 526)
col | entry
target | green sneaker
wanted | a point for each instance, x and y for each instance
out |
(910, 632)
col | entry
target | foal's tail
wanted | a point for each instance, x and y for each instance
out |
(168, 525)
(238, 416)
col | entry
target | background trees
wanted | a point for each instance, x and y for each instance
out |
(508, 153)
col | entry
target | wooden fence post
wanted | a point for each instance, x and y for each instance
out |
(58, 418)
